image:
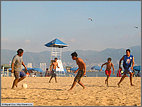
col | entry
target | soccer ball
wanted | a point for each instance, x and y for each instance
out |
(24, 85)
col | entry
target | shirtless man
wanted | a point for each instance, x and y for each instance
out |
(81, 70)
(108, 69)
(53, 69)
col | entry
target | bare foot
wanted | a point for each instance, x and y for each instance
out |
(118, 85)
(84, 87)
(69, 89)
(13, 88)
(105, 81)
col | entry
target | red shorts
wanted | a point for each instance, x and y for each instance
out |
(108, 72)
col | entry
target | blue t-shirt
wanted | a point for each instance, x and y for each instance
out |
(127, 61)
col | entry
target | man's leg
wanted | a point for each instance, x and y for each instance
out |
(15, 83)
(55, 79)
(74, 83)
(81, 84)
(106, 81)
(50, 79)
(122, 78)
(20, 79)
(131, 75)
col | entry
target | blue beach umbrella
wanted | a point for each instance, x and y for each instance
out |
(137, 68)
(97, 68)
(37, 69)
(73, 69)
(28, 69)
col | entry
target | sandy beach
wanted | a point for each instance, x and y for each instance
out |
(42, 93)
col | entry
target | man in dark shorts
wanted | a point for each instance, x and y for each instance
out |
(81, 70)
(16, 66)
(53, 69)
(128, 59)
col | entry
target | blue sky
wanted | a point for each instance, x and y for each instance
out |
(29, 25)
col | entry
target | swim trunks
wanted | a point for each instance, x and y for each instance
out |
(79, 75)
(108, 72)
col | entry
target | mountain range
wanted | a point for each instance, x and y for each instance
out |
(90, 57)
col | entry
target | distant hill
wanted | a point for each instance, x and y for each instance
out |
(90, 57)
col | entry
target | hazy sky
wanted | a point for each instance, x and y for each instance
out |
(30, 25)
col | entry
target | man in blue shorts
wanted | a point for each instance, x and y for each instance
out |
(128, 60)
(16, 66)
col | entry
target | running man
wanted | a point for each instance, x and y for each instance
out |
(128, 59)
(108, 69)
(16, 66)
(53, 69)
(81, 70)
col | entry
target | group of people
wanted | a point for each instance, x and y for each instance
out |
(128, 64)
(128, 60)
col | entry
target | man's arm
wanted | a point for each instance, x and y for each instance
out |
(133, 62)
(120, 62)
(51, 66)
(76, 70)
(84, 68)
(102, 66)
(12, 64)
(12, 67)
(112, 67)
(57, 65)
(24, 66)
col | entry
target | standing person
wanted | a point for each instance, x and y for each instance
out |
(108, 64)
(128, 60)
(53, 69)
(119, 72)
(16, 66)
(81, 70)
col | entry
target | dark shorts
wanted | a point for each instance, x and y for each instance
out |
(18, 74)
(79, 75)
(53, 74)
(127, 71)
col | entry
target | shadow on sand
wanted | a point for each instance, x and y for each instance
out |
(13, 98)
(47, 89)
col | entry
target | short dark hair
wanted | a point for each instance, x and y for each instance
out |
(128, 50)
(46, 68)
(56, 58)
(109, 59)
(19, 51)
(74, 54)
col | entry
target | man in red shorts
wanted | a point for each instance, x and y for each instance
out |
(108, 69)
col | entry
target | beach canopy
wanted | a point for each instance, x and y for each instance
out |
(56, 43)
(97, 68)
(137, 68)
(6, 66)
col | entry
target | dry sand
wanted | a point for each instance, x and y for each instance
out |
(42, 93)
